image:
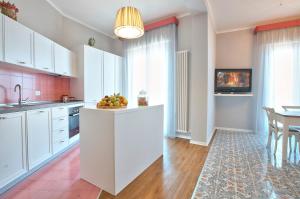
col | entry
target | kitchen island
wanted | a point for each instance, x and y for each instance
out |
(117, 145)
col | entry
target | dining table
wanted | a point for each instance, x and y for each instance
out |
(287, 118)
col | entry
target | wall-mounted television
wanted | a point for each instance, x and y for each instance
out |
(233, 80)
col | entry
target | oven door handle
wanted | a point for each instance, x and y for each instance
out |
(72, 115)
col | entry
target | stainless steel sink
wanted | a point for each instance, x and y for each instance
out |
(6, 106)
(22, 105)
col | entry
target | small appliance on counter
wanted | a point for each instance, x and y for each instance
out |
(67, 98)
(142, 98)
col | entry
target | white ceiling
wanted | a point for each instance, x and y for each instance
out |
(237, 14)
(100, 14)
(228, 15)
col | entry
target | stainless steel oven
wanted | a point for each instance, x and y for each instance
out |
(74, 121)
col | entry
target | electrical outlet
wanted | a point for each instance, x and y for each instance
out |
(37, 93)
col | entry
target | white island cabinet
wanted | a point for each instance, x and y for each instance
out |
(117, 145)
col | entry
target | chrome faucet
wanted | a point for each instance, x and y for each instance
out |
(20, 93)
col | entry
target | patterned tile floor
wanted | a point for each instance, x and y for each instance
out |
(58, 180)
(239, 166)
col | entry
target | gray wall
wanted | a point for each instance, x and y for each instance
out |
(210, 81)
(76, 35)
(196, 34)
(234, 50)
(41, 17)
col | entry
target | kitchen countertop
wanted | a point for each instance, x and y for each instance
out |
(38, 105)
(129, 108)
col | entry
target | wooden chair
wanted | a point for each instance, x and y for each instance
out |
(296, 134)
(276, 128)
(291, 108)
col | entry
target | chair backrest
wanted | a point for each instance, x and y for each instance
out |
(292, 108)
(272, 121)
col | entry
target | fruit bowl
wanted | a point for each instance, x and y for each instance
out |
(113, 107)
(115, 101)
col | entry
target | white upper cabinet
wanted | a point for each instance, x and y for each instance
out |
(118, 75)
(109, 73)
(17, 43)
(99, 73)
(93, 74)
(39, 136)
(43, 53)
(12, 147)
(23, 47)
(63, 60)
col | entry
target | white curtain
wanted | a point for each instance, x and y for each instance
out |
(150, 66)
(278, 59)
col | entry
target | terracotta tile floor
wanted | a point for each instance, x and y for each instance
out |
(58, 180)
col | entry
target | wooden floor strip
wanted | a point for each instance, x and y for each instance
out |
(173, 176)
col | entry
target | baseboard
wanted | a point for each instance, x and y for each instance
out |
(235, 129)
(183, 135)
(198, 143)
(214, 130)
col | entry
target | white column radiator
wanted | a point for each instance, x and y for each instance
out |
(182, 73)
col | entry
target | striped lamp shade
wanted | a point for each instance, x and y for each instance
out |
(129, 23)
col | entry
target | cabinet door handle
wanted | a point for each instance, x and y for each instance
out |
(46, 68)
(61, 119)
(62, 130)
(41, 111)
(62, 108)
(62, 141)
(2, 118)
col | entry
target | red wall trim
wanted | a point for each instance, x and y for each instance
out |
(280, 25)
(164, 22)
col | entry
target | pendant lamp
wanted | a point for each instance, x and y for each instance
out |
(129, 23)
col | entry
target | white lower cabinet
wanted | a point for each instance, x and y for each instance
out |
(60, 139)
(60, 129)
(12, 147)
(39, 136)
(28, 139)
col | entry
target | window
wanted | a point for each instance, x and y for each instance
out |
(147, 67)
(150, 64)
(282, 75)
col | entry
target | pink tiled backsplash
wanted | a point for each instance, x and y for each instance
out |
(51, 87)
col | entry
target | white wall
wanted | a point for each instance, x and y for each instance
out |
(43, 18)
(234, 50)
(196, 34)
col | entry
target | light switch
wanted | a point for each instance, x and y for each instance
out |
(37, 93)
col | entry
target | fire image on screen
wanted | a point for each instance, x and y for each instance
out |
(233, 79)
